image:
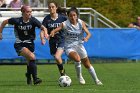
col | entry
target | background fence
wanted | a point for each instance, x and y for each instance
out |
(104, 43)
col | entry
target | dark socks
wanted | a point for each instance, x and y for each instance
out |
(28, 70)
(32, 69)
(61, 69)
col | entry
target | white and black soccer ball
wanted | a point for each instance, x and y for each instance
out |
(64, 81)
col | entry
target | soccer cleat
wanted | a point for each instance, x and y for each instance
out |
(99, 83)
(62, 72)
(37, 81)
(29, 81)
(81, 80)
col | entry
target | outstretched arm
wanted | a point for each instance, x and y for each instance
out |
(88, 34)
(2, 26)
(56, 30)
(43, 34)
(44, 30)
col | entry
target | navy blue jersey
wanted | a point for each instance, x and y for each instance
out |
(51, 24)
(24, 31)
(134, 23)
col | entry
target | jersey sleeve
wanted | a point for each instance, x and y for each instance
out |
(12, 21)
(64, 25)
(65, 18)
(81, 22)
(36, 22)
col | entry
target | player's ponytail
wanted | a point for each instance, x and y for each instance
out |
(62, 11)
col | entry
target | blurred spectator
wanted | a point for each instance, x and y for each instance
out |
(8, 2)
(15, 4)
(26, 2)
(2, 3)
(135, 24)
(35, 3)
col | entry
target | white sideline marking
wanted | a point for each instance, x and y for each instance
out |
(21, 89)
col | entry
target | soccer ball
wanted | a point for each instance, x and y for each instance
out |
(64, 81)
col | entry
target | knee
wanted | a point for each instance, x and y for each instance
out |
(57, 57)
(32, 57)
(77, 59)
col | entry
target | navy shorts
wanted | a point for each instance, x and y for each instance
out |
(54, 45)
(19, 46)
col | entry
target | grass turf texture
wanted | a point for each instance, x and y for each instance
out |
(116, 77)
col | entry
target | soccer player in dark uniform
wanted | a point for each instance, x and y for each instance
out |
(24, 28)
(56, 43)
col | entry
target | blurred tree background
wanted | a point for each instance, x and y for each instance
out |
(122, 12)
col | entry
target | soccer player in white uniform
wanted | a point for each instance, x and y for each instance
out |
(74, 29)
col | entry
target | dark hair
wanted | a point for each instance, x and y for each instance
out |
(62, 11)
(53, 2)
(73, 9)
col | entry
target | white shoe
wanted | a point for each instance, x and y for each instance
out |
(82, 81)
(99, 83)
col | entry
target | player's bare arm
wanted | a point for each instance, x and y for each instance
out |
(44, 30)
(56, 30)
(88, 34)
(2, 26)
(42, 37)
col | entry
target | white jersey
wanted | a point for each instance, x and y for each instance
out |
(74, 34)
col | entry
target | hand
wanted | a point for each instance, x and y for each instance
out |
(43, 41)
(52, 34)
(85, 39)
(0, 36)
(47, 36)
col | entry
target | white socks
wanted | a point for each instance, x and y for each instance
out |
(93, 73)
(78, 69)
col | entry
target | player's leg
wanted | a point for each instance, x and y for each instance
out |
(31, 65)
(91, 70)
(59, 61)
(85, 60)
(74, 56)
(18, 47)
(57, 50)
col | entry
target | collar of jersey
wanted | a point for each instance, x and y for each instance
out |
(26, 21)
(56, 17)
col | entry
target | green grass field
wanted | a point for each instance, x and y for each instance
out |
(116, 77)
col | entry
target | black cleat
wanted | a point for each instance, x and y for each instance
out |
(37, 81)
(62, 73)
(29, 81)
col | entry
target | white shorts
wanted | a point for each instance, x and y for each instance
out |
(78, 49)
